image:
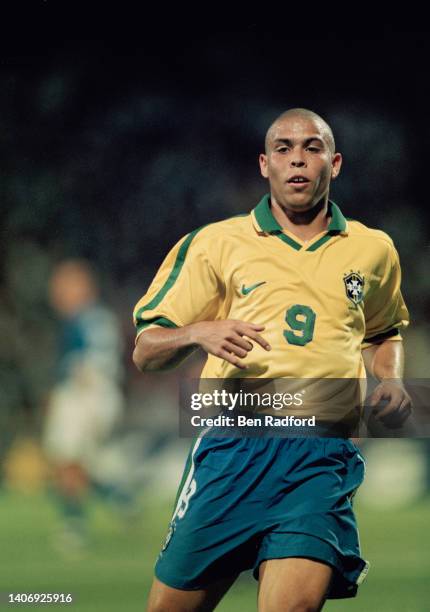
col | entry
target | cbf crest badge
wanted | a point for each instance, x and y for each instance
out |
(354, 286)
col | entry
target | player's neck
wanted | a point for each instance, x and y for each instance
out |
(305, 225)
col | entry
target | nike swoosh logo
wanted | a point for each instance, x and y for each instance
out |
(246, 290)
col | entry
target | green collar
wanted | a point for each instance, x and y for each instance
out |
(268, 223)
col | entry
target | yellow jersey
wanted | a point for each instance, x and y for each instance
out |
(320, 301)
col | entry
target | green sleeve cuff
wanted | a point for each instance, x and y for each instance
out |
(161, 321)
(383, 336)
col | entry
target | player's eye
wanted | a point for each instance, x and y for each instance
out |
(313, 149)
(282, 149)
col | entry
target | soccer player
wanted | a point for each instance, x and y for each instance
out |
(291, 290)
(86, 400)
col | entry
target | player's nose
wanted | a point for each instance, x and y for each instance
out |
(297, 162)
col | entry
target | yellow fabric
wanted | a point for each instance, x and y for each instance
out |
(226, 257)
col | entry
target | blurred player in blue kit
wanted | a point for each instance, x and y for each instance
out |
(86, 401)
(291, 290)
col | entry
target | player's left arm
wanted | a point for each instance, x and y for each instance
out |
(385, 361)
(382, 349)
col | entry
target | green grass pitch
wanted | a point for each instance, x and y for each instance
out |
(115, 573)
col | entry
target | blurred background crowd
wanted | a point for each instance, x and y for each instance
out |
(108, 158)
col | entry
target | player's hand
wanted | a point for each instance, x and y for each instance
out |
(399, 405)
(229, 340)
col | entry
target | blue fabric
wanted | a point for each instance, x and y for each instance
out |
(91, 335)
(252, 499)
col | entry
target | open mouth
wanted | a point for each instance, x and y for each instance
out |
(298, 180)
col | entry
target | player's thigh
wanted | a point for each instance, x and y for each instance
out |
(163, 598)
(293, 584)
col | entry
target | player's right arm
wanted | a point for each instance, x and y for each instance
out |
(158, 349)
(184, 308)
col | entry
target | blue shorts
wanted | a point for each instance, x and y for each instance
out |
(245, 500)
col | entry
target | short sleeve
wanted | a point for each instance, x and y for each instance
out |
(385, 311)
(186, 288)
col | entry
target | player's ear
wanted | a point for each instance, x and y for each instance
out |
(263, 165)
(336, 164)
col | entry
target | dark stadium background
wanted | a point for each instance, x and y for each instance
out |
(113, 148)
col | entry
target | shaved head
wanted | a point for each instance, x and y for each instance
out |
(301, 113)
(300, 161)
